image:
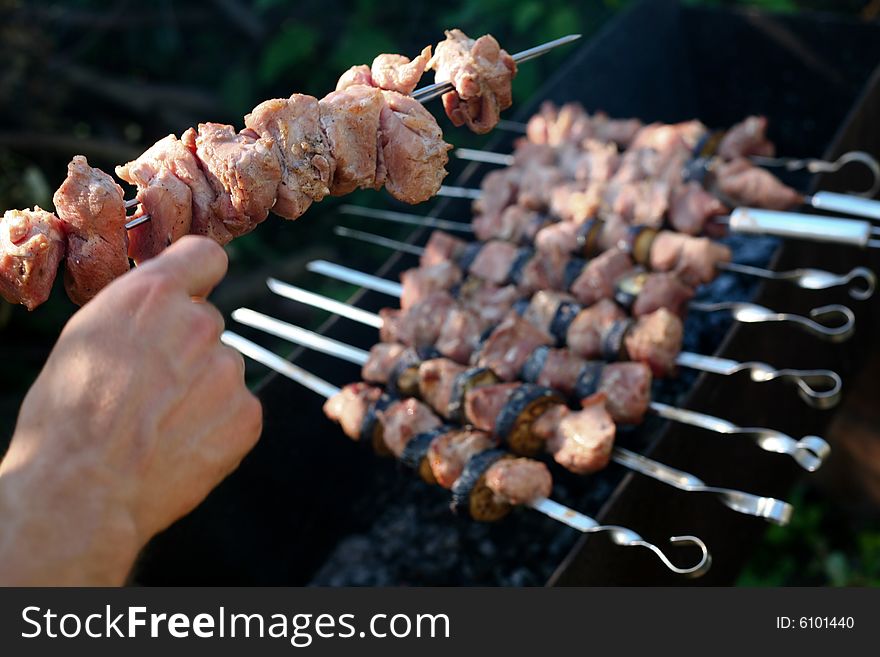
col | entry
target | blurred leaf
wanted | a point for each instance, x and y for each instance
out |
(287, 50)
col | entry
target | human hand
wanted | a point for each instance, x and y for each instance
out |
(138, 414)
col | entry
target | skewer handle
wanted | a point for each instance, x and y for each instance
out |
(846, 204)
(801, 226)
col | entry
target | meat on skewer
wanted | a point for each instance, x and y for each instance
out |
(221, 183)
(32, 244)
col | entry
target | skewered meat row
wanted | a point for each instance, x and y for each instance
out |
(221, 183)
(485, 481)
(580, 173)
(614, 273)
(443, 383)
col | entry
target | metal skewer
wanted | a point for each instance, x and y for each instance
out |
(812, 165)
(809, 452)
(422, 95)
(771, 509)
(621, 536)
(819, 388)
(747, 313)
(432, 91)
(804, 278)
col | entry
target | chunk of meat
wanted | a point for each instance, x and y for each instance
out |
(491, 303)
(642, 203)
(592, 160)
(350, 121)
(509, 345)
(481, 72)
(419, 282)
(580, 441)
(243, 170)
(745, 184)
(460, 335)
(417, 326)
(561, 237)
(519, 481)
(201, 204)
(597, 280)
(404, 419)
(398, 73)
(577, 201)
(413, 149)
(585, 333)
(618, 131)
(449, 452)
(483, 405)
(441, 247)
(168, 201)
(554, 125)
(543, 307)
(32, 244)
(514, 224)
(627, 390)
(498, 190)
(693, 259)
(92, 207)
(544, 270)
(381, 361)
(691, 207)
(349, 407)
(667, 138)
(494, 261)
(748, 137)
(662, 290)
(356, 75)
(437, 381)
(294, 129)
(536, 184)
(562, 370)
(656, 341)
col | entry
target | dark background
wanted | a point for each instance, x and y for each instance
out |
(107, 79)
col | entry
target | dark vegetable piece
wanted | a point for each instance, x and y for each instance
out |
(470, 494)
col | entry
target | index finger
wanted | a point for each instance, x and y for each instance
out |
(197, 263)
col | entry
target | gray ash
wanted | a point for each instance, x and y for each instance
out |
(417, 541)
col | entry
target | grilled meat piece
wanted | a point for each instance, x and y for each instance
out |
(555, 126)
(490, 303)
(562, 371)
(356, 75)
(561, 237)
(413, 149)
(519, 481)
(592, 160)
(449, 452)
(420, 282)
(748, 137)
(350, 407)
(514, 224)
(498, 190)
(542, 271)
(460, 335)
(483, 405)
(509, 345)
(597, 279)
(398, 73)
(437, 381)
(536, 184)
(580, 441)
(585, 333)
(293, 127)
(745, 184)
(92, 208)
(642, 203)
(617, 131)
(383, 357)
(494, 261)
(440, 248)
(656, 340)
(177, 211)
(32, 244)
(662, 290)
(577, 201)
(627, 390)
(350, 121)
(243, 170)
(481, 72)
(417, 326)
(693, 259)
(691, 207)
(404, 419)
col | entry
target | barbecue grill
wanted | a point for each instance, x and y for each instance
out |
(308, 506)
